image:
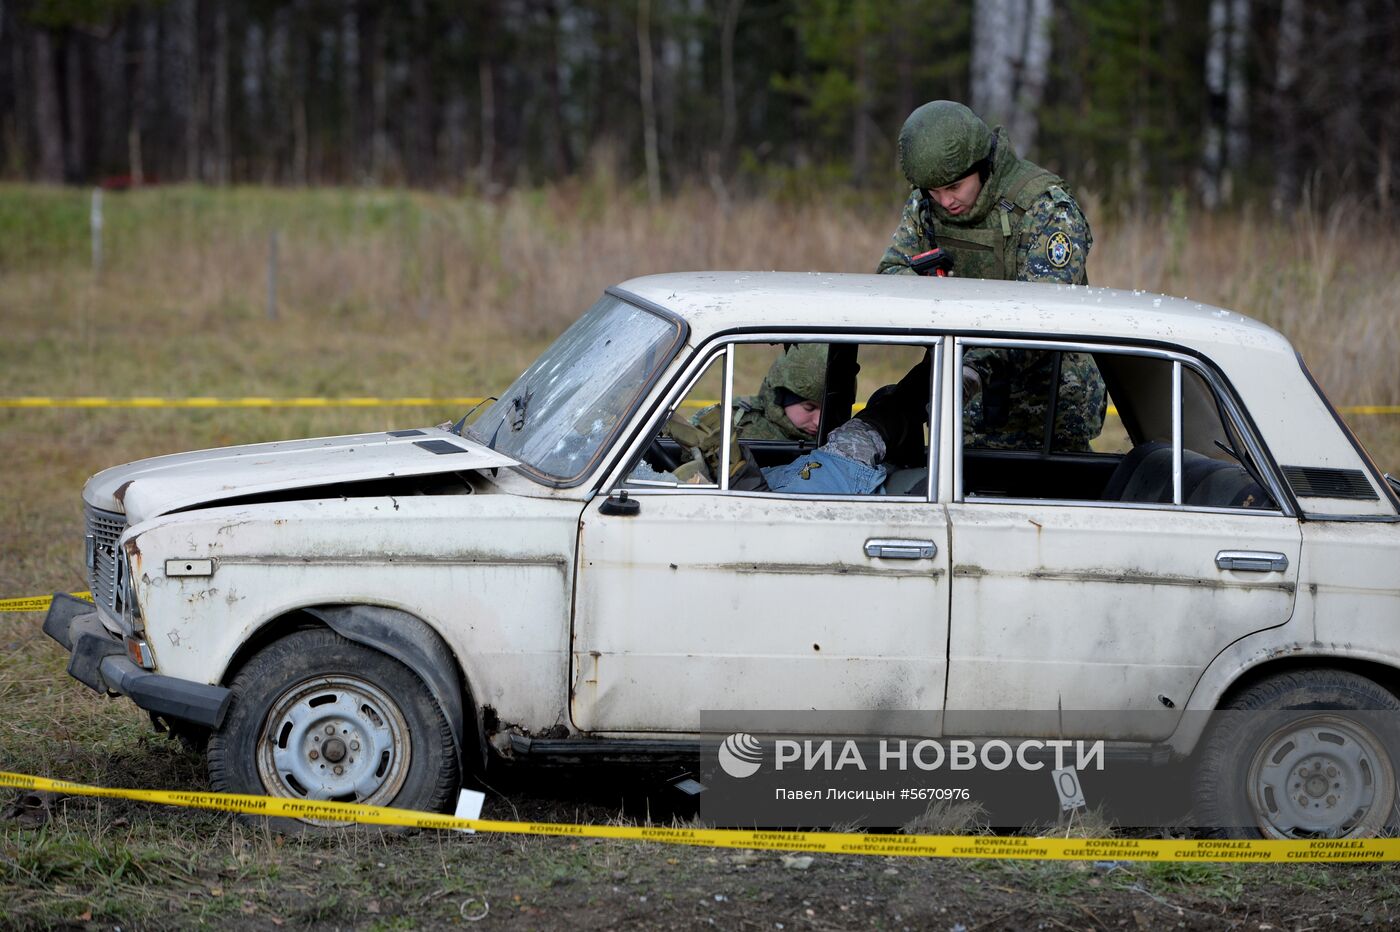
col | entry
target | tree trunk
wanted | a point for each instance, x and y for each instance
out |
(729, 126)
(379, 101)
(1010, 59)
(1288, 128)
(419, 162)
(861, 119)
(349, 93)
(75, 149)
(138, 80)
(255, 104)
(648, 103)
(48, 117)
(994, 23)
(1237, 103)
(560, 158)
(1213, 145)
(112, 98)
(219, 118)
(189, 26)
(486, 81)
(1030, 85)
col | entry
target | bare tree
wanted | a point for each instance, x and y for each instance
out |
(560, 158)
(1237, 100)
(861, 122)
(187, 13)
(729, 25)
(75, 137)
(1225, 145)
(486, 78)
(1010, 59)
(219, 117)
(648, 99)
(349, 91)
(1288, 118)
(47, 112)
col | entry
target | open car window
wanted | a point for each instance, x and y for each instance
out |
(777, 417)
(1105, 426)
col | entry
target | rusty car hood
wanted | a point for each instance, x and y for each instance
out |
(151, 487)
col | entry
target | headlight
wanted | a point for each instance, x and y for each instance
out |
(126, 605)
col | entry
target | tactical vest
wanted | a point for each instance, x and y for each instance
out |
(986, 248)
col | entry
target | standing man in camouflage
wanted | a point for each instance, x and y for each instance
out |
(1002, 217)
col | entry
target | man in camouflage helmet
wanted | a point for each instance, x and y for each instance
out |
(1002, 217)
(788, 406)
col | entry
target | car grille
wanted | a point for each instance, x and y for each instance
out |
(103, 528)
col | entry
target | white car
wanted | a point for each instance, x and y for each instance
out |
(1178, 523)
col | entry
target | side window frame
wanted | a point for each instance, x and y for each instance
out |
(1234, 421)
(722, 347)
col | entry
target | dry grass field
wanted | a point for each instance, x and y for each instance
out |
(402, 294)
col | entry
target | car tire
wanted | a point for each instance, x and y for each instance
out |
(1284, 759)
(315, 716)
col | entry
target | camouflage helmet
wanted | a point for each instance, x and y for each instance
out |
(941, 142)
(801, 370)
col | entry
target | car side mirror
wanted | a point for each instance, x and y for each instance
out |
(619, 504)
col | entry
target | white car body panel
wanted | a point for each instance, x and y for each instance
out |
(717, 603)
(491, 573)
(635, 625)
(1102, 608)
(155, 486)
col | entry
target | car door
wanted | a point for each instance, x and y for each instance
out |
(1112, 601)
(697, 605)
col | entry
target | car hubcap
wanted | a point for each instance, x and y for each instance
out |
(1321, 777)
(335, 738)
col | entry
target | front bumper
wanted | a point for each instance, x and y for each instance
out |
(100, 662)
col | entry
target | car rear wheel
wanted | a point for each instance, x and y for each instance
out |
(1309, 754)
(318, 717)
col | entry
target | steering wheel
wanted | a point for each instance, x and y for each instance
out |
(655, 449)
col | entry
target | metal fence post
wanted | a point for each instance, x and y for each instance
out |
(272, 275)
(95, 220)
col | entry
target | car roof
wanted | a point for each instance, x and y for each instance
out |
(712, 302)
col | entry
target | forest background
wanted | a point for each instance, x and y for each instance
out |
(1226, 100)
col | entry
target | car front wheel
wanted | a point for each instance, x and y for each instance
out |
(1309, 754)
(318, 717)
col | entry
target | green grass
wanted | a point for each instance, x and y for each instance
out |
(391, 293)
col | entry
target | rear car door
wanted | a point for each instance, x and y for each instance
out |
(1105, 575)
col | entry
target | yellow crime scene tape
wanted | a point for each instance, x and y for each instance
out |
(41, 401)
(36, 603)
(936, 846)
(251, 402)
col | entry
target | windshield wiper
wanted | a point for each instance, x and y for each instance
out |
(461, 423)
(518, 406)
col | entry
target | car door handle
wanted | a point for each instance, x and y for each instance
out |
(1251, 561)
(887, 548)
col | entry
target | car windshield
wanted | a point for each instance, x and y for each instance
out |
(560, 414)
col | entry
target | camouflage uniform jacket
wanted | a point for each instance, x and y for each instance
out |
(1024, 226)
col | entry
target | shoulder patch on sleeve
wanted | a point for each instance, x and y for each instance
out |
(1058, 249)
